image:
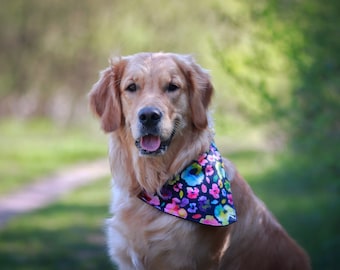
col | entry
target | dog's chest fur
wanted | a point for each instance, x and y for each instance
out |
(140, 237)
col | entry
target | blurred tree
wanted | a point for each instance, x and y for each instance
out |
(50, 51)
(284, 68)
(45, 55)
(316, 97)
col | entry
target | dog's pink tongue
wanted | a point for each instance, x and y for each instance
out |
(150, 143)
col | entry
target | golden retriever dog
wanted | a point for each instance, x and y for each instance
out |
(176, 203)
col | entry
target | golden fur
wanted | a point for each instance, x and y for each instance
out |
(141, 237)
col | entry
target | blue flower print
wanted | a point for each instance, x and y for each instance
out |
(193, 175)
(225, 214)
(192, 208)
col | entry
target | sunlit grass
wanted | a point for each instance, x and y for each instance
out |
(29, 149)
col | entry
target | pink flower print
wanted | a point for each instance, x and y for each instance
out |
(204, 188)
(196, 216)
(192, 192)
(230, 199)
(209, 220)
(202, 159)
(209, 170)
(177, 187)
(174, 209)
(154, 201)
(171, 208)
(215, 152)
(215, 191)
(211, 158)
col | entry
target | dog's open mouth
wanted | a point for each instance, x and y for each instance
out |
(152, 144)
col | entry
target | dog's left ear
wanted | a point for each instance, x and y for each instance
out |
(105, 97)
(200, 92)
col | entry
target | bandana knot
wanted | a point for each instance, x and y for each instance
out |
(200, 193)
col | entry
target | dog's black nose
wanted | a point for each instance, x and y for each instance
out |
(149, 116)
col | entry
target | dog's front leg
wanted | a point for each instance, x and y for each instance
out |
(120, 252)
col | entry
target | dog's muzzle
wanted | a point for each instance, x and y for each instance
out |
(150, 141)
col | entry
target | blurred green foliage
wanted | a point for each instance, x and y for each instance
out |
(32, 149)
(286, 69)
(275, 66)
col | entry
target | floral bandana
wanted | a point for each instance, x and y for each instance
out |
(200, 193)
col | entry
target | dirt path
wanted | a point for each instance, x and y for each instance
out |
(49, 189)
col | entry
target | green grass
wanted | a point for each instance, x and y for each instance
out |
(30, 149)
(66, 235)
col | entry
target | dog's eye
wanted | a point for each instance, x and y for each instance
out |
(172, 87)
(131, 87)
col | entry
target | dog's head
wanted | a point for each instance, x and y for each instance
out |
(156, 96)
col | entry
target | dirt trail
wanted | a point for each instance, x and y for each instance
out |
(49, 189)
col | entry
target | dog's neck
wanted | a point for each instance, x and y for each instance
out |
(150, 173)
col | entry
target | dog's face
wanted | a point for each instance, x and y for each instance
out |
(154, 102)
(155, 96)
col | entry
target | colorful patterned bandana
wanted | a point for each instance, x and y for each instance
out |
(200, 193)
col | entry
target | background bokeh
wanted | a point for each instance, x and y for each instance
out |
(276, 71)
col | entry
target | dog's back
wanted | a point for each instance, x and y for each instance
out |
(258, 241)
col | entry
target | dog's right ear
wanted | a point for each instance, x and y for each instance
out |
(104, 97)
